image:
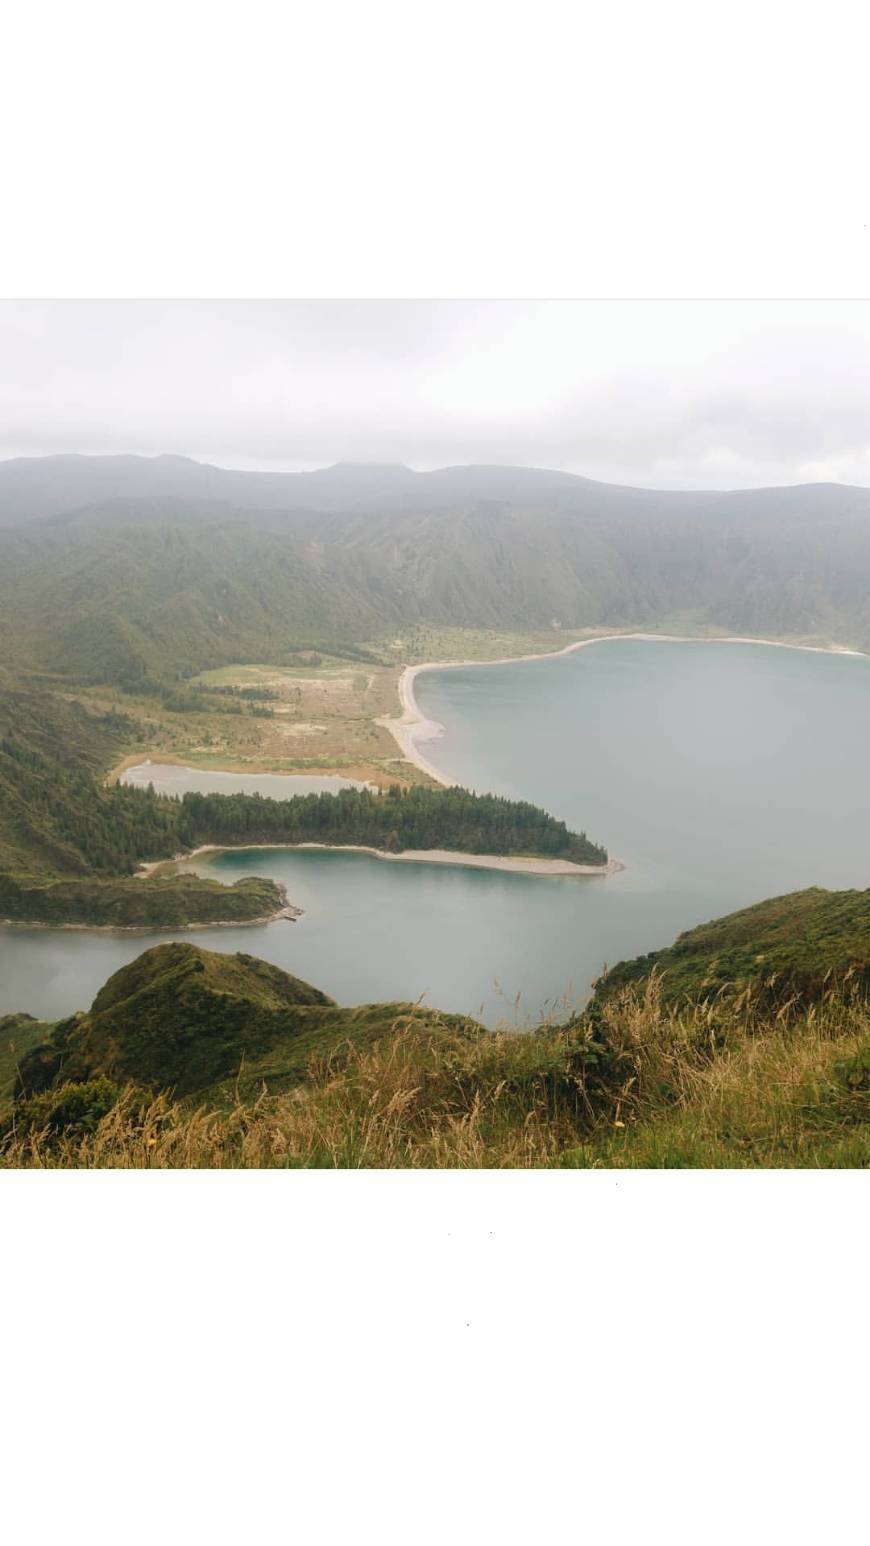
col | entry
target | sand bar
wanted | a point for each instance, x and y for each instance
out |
(519, 864)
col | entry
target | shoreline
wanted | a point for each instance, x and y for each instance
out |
(520, 864)
(358, 774)
(408, 728)
(412, 726)
(288, 911)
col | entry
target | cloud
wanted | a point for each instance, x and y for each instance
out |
(679, 394)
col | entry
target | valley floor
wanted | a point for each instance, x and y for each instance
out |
(355, 719)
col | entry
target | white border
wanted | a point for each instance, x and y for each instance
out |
(434, 1358)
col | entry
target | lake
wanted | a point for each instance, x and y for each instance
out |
(720, 775)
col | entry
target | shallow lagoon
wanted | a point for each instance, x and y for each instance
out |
(175, 779)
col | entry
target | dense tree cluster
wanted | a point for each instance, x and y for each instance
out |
(57, 818)
(398, 819)
(55, 815)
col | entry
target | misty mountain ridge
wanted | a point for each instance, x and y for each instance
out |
(118, 568)
(38, 488)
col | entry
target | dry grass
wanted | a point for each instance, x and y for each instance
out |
(324, 720)
(725, 1085)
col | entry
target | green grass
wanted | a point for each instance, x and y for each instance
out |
(19, 1034)
(187, 1019)
(270, 1078)
(236, 676)
(428, 643)
(157, 901)
(787, 947)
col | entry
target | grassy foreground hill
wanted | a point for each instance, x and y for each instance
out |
(789, 948)
(190, 1059)
(187, 1020)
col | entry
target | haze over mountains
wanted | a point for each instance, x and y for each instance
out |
(113, 567)
(41, 488)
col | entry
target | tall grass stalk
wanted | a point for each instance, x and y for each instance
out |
(728, 1083)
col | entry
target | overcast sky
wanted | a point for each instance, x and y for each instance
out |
(668, 394)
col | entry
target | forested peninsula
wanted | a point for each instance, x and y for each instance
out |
(70, 846)
(393, 821)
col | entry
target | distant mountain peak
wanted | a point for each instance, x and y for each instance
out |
(356, 467)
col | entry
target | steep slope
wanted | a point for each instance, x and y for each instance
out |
(188, 1019)
(53, 818)
(169, 581)
(793, 946)
(19, 1034)
(63, 835)
(158, 596)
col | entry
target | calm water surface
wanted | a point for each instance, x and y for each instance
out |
(719, 774)
(172, 778)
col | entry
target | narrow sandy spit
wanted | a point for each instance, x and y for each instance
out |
(518, 865)
(412, 727)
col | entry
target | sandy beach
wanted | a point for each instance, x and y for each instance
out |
(518, 865)
(412, 728)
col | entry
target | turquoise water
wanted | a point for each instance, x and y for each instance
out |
(719, 774)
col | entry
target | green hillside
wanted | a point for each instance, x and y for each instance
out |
(185, 1019)
(55, 816)
(68, 845)
(122, 599)
(19, 1033)
(171, 571)
(152, 902)
(793, 946)
(745, 1043)
(42, 735)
